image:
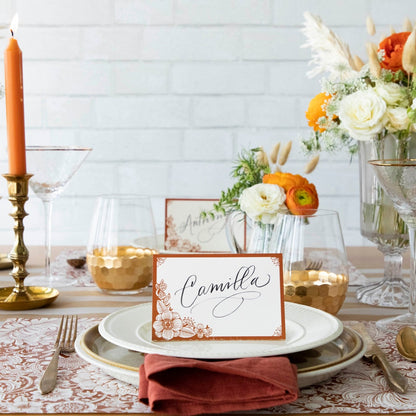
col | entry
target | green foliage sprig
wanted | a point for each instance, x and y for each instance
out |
(248, 170)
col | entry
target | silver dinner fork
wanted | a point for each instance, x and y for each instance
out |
(65, 342)
(314, 265)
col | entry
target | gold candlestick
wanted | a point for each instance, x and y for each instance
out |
(21, 297)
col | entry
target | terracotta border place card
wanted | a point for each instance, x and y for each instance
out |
(187, 231)
(217, 297)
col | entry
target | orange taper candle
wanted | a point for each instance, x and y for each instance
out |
(14, 107)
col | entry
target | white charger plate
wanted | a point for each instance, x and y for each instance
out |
(306, 328)
(314, 366)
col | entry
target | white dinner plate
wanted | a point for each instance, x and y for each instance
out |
(314, 365)
(306, 328)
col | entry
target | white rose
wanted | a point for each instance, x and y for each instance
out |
(362, 114)
(397, 119)
(262, 202)
(391, 93)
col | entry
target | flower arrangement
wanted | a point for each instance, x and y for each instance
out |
(360, 101)
(262, 190)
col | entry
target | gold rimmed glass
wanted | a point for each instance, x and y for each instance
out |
(380, 222)
(398, 179)
(52, 168)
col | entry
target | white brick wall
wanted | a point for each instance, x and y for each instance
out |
(167, 92)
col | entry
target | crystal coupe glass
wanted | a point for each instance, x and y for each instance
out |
(52, 167)
(398, 179)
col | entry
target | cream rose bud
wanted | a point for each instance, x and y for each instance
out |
(263, 201)
(397, 119)
(362, 114)
(391, 93)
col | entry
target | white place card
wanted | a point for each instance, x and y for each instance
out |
(217, 297)
(187, 231)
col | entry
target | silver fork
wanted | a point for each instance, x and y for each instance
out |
(65, 342)
(314, 265)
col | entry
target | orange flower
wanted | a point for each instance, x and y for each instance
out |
(302, 200)
(317, 110)
(393, 51)
(285, 180)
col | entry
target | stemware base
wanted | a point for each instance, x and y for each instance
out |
(407, 319)
(390, 293)
(5, 262)
(36, 298)
(54, 281)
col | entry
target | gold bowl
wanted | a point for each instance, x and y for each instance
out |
(319, 289)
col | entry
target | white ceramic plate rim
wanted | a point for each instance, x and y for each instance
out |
(317, 328)
(131, 376)
(116, 370)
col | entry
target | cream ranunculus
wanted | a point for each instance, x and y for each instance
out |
(393, 94)
(262, 202)
(397, 119)
(362, 114)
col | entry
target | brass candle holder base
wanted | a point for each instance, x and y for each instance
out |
(21, 297)
(34, 297)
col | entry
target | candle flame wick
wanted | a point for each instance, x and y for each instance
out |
(14, 24)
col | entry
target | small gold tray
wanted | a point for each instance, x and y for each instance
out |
(38, 297)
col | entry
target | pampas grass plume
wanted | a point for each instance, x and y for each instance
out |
(374, 64)
(284, 154)
(262, 157)
(274, 153)
(407, 25)
(371, 28)
(409, 53)
(311, 165)
(358, 62)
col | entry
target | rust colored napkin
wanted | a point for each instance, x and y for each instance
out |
(189, 387)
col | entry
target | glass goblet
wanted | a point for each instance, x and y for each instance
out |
(398, 179)
(121, 244)
(381, 224)
(52, 167)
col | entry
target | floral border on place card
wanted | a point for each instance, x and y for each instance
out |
(187, 231)
(217, 297)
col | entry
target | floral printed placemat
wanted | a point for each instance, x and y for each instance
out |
(25, 346)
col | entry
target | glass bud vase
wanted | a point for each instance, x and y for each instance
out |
(256, 235)
(381, 224)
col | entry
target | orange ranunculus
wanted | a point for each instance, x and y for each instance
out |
(393, 51)
(284, 180)
(302, 200)
(317, 110)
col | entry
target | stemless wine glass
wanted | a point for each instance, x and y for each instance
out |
(52, 167)
(121, 244)
(398, 179)
(314, 258)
